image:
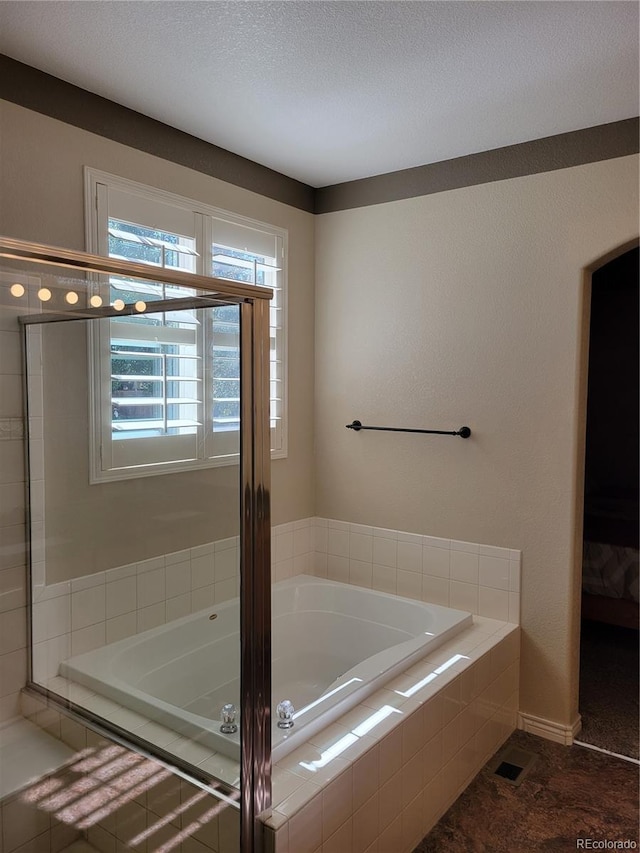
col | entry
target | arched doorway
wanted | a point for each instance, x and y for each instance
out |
(608, 697)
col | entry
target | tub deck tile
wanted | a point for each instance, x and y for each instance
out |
(300, 762)
(362, 720)
(298, 799)
(391, 698)
(223, 768)
(190, 750)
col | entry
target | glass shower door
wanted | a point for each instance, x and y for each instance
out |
(149, 521)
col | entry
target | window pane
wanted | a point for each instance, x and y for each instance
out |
(155, 389)
(225, 352)
(155, 381)
(149, 246)
(252, 268)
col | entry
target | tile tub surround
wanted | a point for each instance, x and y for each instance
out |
(481, 579)
(455, 718)
(379, 779)
(86, 613)
(83, 614)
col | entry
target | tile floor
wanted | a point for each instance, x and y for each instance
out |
(609, 687)
(571, 793)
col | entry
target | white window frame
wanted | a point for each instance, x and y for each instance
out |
(97, 184)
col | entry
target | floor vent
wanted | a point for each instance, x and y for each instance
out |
(513, 765)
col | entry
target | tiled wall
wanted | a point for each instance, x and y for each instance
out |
(13, 655)
(481, 579)
(78, 616)
(25, 828)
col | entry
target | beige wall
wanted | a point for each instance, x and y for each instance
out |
(41, 199)
(464, 307)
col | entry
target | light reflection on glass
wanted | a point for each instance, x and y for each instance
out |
(44, 294)
(17, 290)
(95, 301)
(72, 297)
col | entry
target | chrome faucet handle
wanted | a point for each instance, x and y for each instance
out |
(285, 711)
(229, 712)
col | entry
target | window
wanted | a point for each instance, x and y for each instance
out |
(165, 386)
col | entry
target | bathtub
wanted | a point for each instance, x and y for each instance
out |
(333, 644)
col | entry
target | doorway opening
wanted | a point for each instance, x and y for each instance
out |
(609, 627)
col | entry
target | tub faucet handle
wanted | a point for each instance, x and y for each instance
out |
(285, 711)
(229, 726)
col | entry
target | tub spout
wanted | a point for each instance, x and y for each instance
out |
(229, 726)
(285, 711)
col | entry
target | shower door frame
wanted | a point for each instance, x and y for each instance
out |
(254, 507)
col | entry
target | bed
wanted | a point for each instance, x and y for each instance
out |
(610, 561)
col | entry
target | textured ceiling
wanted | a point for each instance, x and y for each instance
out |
(332, 91)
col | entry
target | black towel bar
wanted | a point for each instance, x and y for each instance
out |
(463, 432)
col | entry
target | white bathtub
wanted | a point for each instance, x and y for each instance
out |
(333, 644)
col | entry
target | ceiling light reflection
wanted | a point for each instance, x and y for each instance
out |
(410, 691)
(72, 297)
(372, 721)
(449, 663)
(44, 294)
(323, 697)
(417, 686)
(349, 739)
(17, 290)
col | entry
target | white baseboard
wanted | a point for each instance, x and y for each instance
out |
(549, 729)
